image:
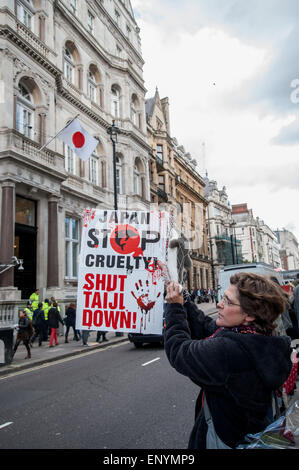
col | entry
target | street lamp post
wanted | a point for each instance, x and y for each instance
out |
(234, 243)
(113, 131)
(5, 265)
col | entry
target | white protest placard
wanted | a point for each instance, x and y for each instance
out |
(120, 285)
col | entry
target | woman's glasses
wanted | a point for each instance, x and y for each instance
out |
(225, 300)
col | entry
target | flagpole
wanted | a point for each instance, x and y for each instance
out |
(45, 145)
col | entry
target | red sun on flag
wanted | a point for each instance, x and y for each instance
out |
(78, 139)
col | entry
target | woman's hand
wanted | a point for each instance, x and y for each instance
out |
(172, 294)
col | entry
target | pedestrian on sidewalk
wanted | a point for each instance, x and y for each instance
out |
(85, 335)
(46, 307)
(193, 295)
(70, 321)
(235, 359)
(28, 310)
(34, 298)
(199, 296)
(39, 325)
(25, 331)
(54, 318)
(101, 336)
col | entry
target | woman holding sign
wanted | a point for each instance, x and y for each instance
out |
(235, 360)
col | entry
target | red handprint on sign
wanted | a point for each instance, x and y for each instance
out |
(144, 302)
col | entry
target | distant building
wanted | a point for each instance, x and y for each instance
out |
(224, 246)
(259, 242)
(288, 249)
(175, 181)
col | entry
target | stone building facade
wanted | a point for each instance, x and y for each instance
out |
(288, 249)
(224, 247)
(59, 59)
(175, 181)
(259, 242)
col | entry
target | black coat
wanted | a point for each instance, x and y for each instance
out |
(70, 317)
(25, 329)
(54, 318)
(237, 372)
(38, 319)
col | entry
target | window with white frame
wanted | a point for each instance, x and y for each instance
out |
(25, 13)
(94, 169)
(90, 22)
(25, 112)
(69, 65)
(161, 182)
(92, 86)
(73, 5)
(128, 31)
(71, 247)
(118, 175)
(133, 113)
(136, 180)
(117, 17)
(70, 162)
(160, 152)
(118, 51)
(115, 102)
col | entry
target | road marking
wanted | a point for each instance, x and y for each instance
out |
(149, 362)
(6, 424)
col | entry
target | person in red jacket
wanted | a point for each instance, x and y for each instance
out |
(54, 318)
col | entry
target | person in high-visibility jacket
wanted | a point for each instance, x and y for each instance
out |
(34, 299)
(29, 310)
(52, 301)
(46, 307)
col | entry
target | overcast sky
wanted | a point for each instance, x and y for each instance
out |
(229, 68)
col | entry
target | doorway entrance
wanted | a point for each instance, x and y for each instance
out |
(25, 245)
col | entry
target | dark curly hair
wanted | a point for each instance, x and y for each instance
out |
(261, 298)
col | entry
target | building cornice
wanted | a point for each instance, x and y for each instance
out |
(192, 191)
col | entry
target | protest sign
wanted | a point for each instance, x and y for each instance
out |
(120, 285)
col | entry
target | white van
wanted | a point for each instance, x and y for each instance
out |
(257, 268)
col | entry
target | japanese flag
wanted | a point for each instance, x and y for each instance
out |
(78, 139)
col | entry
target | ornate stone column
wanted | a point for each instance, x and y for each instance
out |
(7, 231)
(42, 21)
(42, 128)
(52, 274)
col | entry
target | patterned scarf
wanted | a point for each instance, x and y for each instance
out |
(237, 329)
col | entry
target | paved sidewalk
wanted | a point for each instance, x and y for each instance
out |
(44, 354)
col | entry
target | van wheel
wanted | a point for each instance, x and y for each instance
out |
(138, 345)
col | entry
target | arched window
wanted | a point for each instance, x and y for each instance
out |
(92, 86)
(25, 13)
(118, 175)
(135, 111)
(25, 112)
(69, 65)
(73, 5)
(136, 180)
(69, 160)
(94, 168)
(115, 97)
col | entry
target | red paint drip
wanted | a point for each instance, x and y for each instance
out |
(134, 320)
